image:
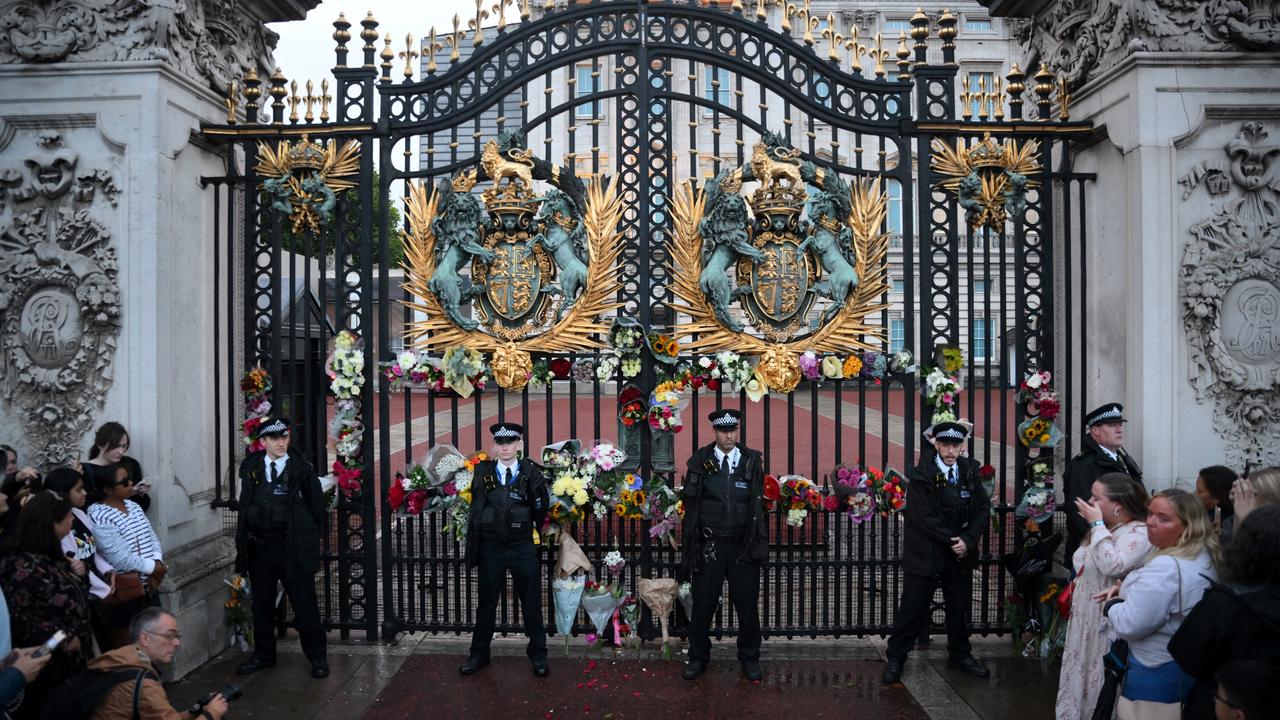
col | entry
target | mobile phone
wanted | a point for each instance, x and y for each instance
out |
(51, 644)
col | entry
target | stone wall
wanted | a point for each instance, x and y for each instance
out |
(106, 262)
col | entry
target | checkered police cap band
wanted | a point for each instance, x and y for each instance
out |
(950, 434)
(506, 433)
(1111, 414)
(725, 420)
(275, 428)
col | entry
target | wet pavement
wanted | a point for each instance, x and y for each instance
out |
(819, 678)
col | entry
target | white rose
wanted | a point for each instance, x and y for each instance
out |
(407, 360)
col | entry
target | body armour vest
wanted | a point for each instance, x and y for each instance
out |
(726, 502)
(507, 516)
(269, 513)
(953, 501)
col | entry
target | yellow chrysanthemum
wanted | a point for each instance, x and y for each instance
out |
(852, 366)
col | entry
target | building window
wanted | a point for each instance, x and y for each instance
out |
(897, 334)
(585, 83)
(890, 28)
(985, 340)
(718, 87)
(978, 83)
(822, 92)
(977, 24)
(980, 287)
(895, 242)
(893, 216)
(899, 287)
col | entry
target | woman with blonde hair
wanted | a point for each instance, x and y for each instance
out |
(1147, 608)
(1258, 488)
(1115, 545)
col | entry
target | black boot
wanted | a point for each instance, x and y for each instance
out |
(694, 669)
(474, 664)
(892, 672)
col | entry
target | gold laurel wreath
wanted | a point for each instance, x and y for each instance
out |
(574, 331)
(846, 331)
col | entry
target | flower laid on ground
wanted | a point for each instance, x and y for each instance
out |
(256, 387)
(567, 594)
(238, 611)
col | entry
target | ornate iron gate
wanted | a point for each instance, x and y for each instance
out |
(650, 95)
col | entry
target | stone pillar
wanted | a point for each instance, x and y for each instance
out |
(1183, 254)
(106, 266)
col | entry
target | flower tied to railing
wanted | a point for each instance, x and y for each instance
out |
(256, 387)
(345, 368)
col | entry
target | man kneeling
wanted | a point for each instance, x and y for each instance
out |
(155, 639)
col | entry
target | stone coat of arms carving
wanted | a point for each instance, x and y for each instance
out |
(1230, 286)
(59, 296)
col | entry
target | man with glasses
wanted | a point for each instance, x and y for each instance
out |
(155, 638)
(281, 514)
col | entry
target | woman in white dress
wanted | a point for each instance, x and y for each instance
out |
(1115, 545)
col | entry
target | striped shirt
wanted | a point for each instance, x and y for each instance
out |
(125, 539)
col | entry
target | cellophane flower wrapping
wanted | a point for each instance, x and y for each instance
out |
(567, 592)
(600, 608)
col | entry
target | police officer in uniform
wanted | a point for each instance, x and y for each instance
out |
(278, 541)
(726, 535)
(946, 514)
(1101, 452)
(509, 500)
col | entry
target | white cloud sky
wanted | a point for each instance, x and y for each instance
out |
(305, 50)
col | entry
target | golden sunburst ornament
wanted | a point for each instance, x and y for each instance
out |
(846, 331)
(578, 329)
(305, 177)
(990, 179)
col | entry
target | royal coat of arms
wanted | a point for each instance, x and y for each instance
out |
(803, 261)
(510, 270)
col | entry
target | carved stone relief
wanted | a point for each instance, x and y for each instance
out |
(214, 40)
(1082, 38)
(1230, 286)
(59, 295)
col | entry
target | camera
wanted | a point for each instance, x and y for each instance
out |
(229, 692)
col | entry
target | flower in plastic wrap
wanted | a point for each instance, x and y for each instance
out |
(902, 362)
(614, 562)
(607, 367)
(756, 388)
(660, 595)
(607, 456)
(568, 595)
(852, 366)
(631, 366)
(809, 365)
(583, 370)
(599, 602)
(684, 592)
(832, 368)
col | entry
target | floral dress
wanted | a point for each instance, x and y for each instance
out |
(43, 598)
(1109, 556)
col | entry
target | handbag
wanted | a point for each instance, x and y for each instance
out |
(1064, 598)
(128, 586)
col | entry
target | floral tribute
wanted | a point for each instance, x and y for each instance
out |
(861, 492)
(238, 612)
(256, 387)
(440, 483)
(665, 404)
(627, 340)
(1042, 406)
(632, 409)
(1038, 503)
(459, 371)
(345, 368)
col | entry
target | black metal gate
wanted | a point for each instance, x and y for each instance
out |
(654, 94)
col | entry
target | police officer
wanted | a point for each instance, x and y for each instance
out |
(726, 535)
(1101, 452)
(278, 541)
(509, 500)
(946, 514)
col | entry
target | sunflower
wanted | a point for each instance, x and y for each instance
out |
(620, 510)
(638, 497)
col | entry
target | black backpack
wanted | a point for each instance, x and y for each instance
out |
(79, 696)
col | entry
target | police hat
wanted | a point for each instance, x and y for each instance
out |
(725, 419)
(1109, 413)
(274, 426)
(949, 431)
(505, 432)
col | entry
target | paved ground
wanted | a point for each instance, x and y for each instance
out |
(814, 678)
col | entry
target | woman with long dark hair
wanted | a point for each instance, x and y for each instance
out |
(44, 595)
(127, 541)
(110, 445)
(1213, 487)
(82, 548)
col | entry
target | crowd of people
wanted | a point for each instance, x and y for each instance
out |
(1174, 604)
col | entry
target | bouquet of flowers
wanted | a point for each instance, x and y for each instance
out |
(414, 370)
(799, 496)
(606, 456)
(890, 490)
(626, 338)
(875, 366)
(1038, 432)
(1037, 504)
(854, 491)
(851, 367)
(772, 492)
(256, 387)
(1038, 393)
(733, 368)
(345, 366)
(952, 359)
(346, 378)
(600, 601)
(660, 596)
(238, 613)
(567, 593)
(583, 370)
(607, 367)
(942, 393)
(902, 362)
(631, 505)
(664, 408)
(665, 511)
(832, 368)
(664, 348)
(625, 622)
(572, 479)
(631, 406)
(464, 370)
(540, 373)
(810, 367)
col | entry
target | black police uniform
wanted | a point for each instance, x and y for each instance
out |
(504, 515)
(725, 535)
(1082, 471)
(278, 540)
(937, 510)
